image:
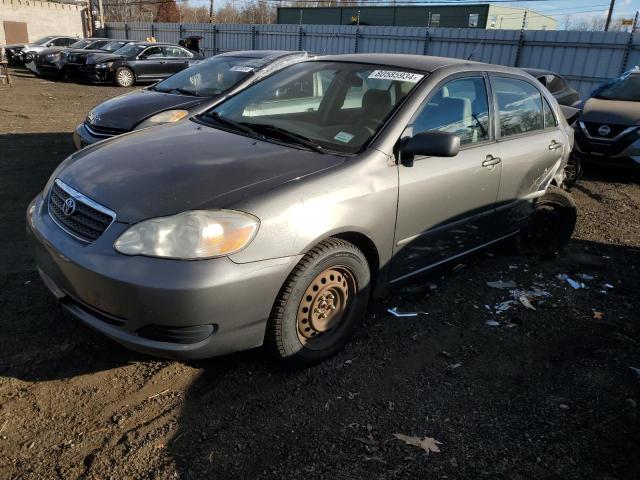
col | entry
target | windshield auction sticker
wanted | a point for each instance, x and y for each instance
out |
(240, 68)
(394, 75)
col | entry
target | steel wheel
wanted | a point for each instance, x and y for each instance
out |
(124, 77)
(324, 305)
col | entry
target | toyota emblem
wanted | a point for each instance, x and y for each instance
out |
(604, 130)
(69, 206)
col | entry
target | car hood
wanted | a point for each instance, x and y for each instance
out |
(611, 111)
(15, 45)
(126, 111)
(34, 47)
(185, 166)
(45, 51)
(104, 57)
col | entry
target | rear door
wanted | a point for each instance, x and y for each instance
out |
(176, 59)
(446, 204)
(531, 145)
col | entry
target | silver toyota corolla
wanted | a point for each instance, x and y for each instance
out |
(273, 217)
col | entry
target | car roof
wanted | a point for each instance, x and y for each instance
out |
(536, 72)
(424, 63)
(261, 53)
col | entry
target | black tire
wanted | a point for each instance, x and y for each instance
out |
(124, 77)
(572, 172)
(284, 337)
(552, 222)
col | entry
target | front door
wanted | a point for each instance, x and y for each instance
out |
(177, 59)
(446, 204)
(151, 63)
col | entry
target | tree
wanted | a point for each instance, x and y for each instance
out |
(167, 12)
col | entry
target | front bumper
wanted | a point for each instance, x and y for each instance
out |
(96, 75)
(124, 297)
(624, 152)
(82, 137)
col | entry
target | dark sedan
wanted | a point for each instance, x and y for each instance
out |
(16, 53)
(73, 61)
(47, 61)
(558, 86)
(192, 90)
(139, 62)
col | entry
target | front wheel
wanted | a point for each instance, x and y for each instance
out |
(552, 222)
(320, 304)
(124, 77)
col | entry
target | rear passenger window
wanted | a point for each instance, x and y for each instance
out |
(549, 118)
(459, 107)
(519, 105)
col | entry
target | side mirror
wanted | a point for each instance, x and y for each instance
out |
(429, 144)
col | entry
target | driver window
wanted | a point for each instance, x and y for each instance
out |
(460, 107)
(153, 52)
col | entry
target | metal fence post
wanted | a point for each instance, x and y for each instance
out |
(254, 33)
(126, 31)
(427, 37)
(153, 30)
(180, 31)
(521, 40)
(629, 45)
(300, 35)
(215, 39)
(355, 47)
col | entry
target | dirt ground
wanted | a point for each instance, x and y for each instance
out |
(545, 394)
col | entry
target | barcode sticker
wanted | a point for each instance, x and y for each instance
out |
(395, 75)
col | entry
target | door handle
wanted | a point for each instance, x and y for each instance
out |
(554, 145)
(491, 161)
(163, 61)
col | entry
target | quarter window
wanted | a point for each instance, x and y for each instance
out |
(460, 107)
(519, 105)
(549, 118)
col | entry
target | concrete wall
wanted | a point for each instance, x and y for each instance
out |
(43, 18)
(510, 18)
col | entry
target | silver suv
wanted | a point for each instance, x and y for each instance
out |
(272, 217)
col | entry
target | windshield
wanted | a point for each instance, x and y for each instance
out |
(626, 88)
(80, 44)
(113, 46)
(43, 40)
(130, 50)
(211, 77)
(333, 106)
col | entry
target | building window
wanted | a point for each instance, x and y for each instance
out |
(493, 21)
(474, 19)
(434, 20)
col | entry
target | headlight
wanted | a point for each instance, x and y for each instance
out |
(189, 235)
(54, 55)
(104, 65)
(169, 116)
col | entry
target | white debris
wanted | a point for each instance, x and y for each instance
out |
(394, 311)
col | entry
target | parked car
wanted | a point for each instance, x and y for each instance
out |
(138, 62)
(30, 50)
(14, 51)
(271, 218)
(608, 131)
(72, 61)
(558, 86)
(192, 90)
(46, 61)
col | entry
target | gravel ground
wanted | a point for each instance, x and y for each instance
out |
(546, 394)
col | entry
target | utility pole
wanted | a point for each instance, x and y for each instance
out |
(606, 26)
(101, 14)
(210, 11)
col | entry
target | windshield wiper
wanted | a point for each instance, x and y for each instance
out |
(215, 116)
(296, 138)
(184, 91)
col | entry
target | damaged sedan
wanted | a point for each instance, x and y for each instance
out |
(272, 218)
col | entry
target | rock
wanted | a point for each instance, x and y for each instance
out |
(631, 402)
(564, 406)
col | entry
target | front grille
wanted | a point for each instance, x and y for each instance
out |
(103, 131)
(87, 221)
(593, 128)
(606, 148)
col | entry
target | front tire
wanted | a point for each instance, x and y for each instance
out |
(320, 304)
(124, 77)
